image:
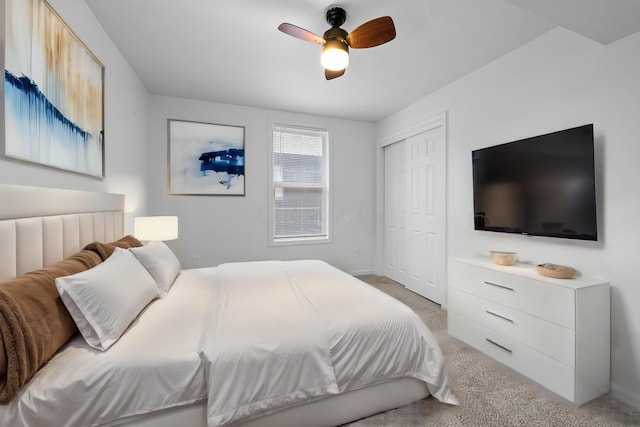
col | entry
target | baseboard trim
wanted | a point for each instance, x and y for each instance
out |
(625, 396)
(362, 272)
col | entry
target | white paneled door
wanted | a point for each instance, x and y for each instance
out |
(395, 213)
(415, 203)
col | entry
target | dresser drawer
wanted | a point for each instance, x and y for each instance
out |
(535, 297)
(548, 372)
(548, 338)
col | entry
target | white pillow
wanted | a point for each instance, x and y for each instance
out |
(105, 299)
(160, 262)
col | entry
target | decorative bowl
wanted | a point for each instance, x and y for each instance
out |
(503, 258)
(556, 271)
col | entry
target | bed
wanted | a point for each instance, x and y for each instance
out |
(349, 351)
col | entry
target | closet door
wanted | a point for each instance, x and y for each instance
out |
(395, 213)
(415, 213)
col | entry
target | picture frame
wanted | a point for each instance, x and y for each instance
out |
(205, 158)
(54, 92)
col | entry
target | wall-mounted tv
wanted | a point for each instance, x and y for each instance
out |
(541, 186)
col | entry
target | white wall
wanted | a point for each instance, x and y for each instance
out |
(235, 228)
(557, 81)
(124, 115)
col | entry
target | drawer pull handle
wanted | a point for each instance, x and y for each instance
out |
(499, 286)
(498, 345)
(500, 316)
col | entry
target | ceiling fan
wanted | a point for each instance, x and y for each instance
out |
(336, 41)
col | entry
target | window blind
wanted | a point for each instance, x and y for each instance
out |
(299, 182)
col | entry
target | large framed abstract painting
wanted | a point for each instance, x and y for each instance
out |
(205, 158)
(54, 91)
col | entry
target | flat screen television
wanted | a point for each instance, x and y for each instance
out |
(540, 186)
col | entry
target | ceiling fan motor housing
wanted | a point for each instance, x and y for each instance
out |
(335, 33)
(335, 36)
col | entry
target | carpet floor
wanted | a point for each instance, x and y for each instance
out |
(490, 394)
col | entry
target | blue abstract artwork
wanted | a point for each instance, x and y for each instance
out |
(205, 158)
(53, 92)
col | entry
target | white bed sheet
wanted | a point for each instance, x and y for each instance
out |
(154, 365)
(352, 336)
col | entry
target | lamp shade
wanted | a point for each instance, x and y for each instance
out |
(335, 55)
(149, 228)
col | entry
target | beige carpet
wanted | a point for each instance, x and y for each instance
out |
(489, 393)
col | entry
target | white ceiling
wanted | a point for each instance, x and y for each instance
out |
(231, 51)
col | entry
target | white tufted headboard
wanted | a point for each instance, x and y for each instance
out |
(40, 226)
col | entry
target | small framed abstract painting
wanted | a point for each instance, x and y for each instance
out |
(205, 158)
(54, 92)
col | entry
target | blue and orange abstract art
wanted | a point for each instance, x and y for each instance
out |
(53, 92)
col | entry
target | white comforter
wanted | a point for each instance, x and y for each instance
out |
(282, 333)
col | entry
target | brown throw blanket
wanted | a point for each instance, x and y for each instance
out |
(34, 322)
(106, 249)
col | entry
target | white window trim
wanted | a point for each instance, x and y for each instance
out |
(311, 240)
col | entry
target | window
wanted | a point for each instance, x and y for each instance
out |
(300, 184)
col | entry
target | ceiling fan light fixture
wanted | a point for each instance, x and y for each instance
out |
(335, 55)
(336, 41)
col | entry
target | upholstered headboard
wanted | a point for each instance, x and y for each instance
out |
(40, 226)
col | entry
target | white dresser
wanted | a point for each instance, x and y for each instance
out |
(554, 331)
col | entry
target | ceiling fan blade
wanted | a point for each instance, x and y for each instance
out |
(333, 74)
(372, 33)
(300, 33)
